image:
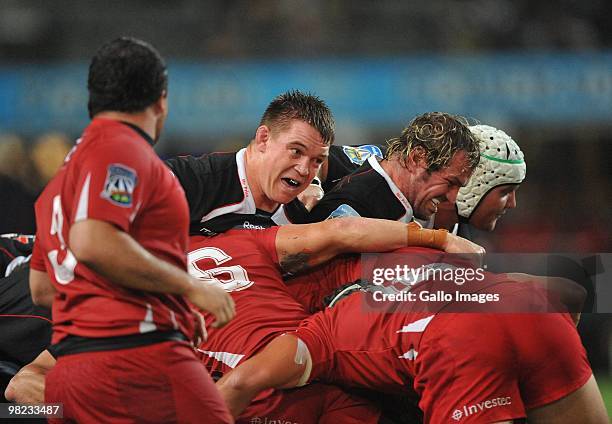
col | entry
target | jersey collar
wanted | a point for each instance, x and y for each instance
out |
(140, 131)
(407, 217)
(279, 217)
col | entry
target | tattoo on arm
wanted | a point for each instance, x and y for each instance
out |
(295, 263)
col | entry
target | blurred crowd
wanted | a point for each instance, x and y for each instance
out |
(24, 171)
(70, 29)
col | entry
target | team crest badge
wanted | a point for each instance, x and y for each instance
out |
(360, 154)
(119, 185)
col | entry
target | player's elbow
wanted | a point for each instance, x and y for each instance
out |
(83, 242)
(9, 392)
(41, 289)
(91, 241)
(42, 298)
(241, 382)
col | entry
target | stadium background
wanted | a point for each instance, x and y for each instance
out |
(542, 71)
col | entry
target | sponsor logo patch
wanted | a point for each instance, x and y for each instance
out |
(119, 185)
(468, 410)
(342, 211)
(250, 226)
(360, 154)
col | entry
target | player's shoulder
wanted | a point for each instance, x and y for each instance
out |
(356, 155)
(208, 164)
(106, 139)
(363, 182)
(363, 193)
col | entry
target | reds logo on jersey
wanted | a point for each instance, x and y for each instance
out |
(119, 185)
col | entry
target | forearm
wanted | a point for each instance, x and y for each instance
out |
(381, 235)
(116, 256)
(302, 246)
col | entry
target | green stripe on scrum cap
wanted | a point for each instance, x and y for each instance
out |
(511, 161)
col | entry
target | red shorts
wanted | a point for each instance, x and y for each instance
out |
(466, 367)
(311, 404)
(162, 382)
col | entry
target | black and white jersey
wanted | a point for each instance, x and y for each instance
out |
(15, 249)
(220, 198)
(368, 192)
(25, 329)
(344, 160)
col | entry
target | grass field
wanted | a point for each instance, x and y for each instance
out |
(605, 385)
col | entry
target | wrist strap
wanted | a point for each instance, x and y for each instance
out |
(419, 236)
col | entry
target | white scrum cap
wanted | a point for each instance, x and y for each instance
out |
(501, 162)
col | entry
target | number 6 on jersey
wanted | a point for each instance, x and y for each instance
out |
(236, 276)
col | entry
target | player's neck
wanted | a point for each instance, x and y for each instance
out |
(398, 174)
(143, 120)
(253, 168)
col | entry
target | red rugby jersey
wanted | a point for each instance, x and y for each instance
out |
(246, 264)
(112, 175)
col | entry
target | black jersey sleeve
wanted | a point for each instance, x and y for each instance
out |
(13, 246)
(363, 193)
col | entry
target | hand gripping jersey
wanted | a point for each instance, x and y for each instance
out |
(220, 198)
(112, 175)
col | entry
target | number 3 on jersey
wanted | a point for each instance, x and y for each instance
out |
(64, 271)
(236, 277)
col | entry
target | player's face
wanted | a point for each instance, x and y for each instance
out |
(292, 159)
(493, 205)
(429, 189)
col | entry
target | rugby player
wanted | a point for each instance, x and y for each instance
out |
(491, 191)
(465, 367)
(229, 254)
(239, 261)
(257, 186)
(419, 171)
(112, 231)
(518, 164)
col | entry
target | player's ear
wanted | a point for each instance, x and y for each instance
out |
(416, 158)
(160, 107)
(262, 138)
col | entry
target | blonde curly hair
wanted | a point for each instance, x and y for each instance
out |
(439, 136)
